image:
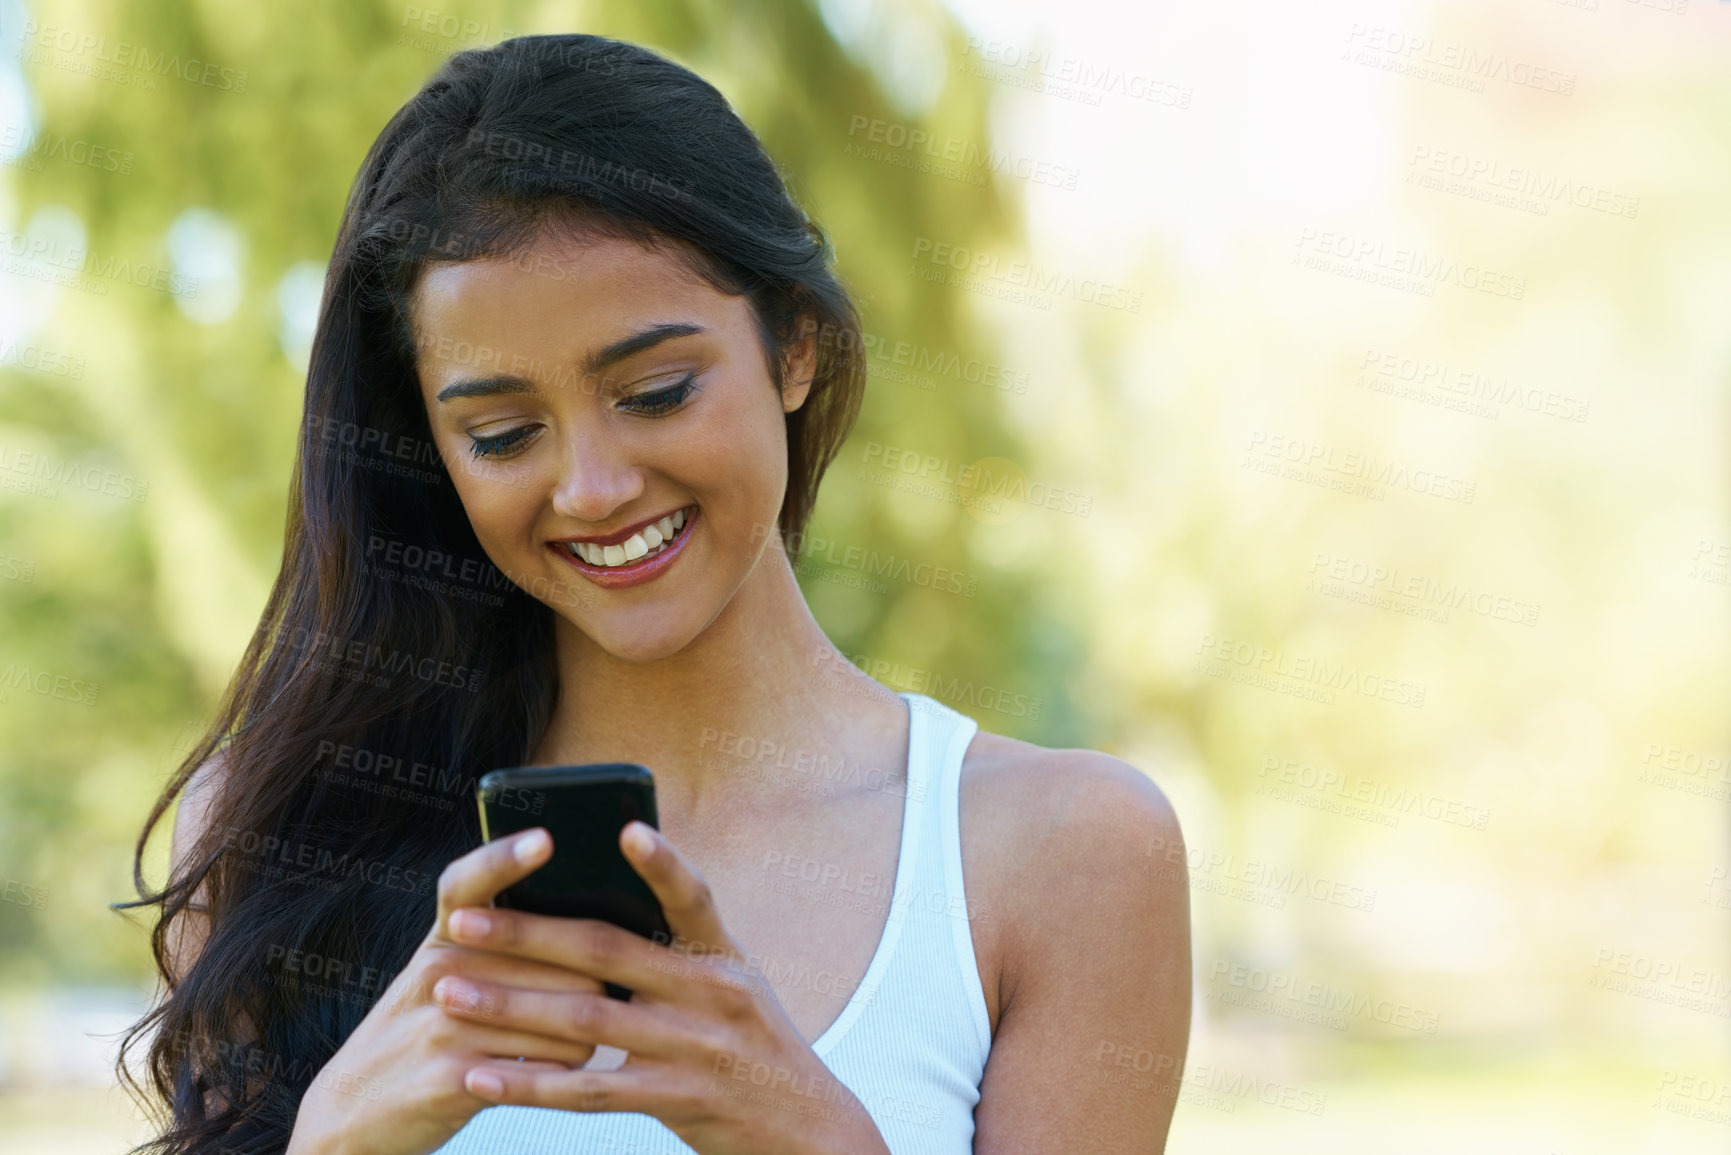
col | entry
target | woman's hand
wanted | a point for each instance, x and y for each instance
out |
(712, 1053)
(395, 1087)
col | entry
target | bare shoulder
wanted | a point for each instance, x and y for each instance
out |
(1085, 947)
(1079, 796)
(191, 819)
(193, 814)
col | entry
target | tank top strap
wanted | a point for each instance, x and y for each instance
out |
(937, 898)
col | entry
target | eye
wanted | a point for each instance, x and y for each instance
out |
(662, 400)
(502, 444)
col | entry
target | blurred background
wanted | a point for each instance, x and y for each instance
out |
(1347, 389)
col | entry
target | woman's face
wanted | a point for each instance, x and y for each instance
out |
(595, 392)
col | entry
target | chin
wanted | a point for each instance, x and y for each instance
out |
(635, 645)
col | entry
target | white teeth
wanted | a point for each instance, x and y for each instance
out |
(646, 542)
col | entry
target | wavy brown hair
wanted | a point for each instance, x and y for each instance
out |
(374, 690)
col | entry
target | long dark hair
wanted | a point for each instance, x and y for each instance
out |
(392, 662)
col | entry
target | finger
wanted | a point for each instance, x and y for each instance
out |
(520, 1065)
(414, 986)
(504, 1065)
(640, 1089)
(493, 1040)
(594, 948)
(646, 1031)
(514, 970)
(476, 877)
(682, 890)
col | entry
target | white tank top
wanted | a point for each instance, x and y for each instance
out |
(911, 1043)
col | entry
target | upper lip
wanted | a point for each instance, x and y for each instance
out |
(620, 535)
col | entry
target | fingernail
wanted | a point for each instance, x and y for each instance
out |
(454, 992)
(470, 924)
(530, 846)
(642, 842)
(486, 1084)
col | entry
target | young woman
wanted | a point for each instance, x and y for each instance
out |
(580, 366)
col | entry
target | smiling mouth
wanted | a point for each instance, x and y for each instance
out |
(649, 541)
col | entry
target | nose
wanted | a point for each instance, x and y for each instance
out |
(596, 475)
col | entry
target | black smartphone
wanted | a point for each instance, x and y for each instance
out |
(584, 808)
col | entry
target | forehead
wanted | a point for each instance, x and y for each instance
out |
(559, 291)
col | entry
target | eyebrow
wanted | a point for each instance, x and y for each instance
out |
(593, 364)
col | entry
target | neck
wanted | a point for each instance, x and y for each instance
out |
(762, 672)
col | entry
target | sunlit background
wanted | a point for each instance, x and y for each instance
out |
(1351, 379)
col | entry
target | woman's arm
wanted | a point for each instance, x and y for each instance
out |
(1084, 856)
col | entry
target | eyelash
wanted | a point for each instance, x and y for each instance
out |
(665, 400)
(496, 446)
(653, 404)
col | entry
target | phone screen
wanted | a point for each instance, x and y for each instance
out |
(584, 808)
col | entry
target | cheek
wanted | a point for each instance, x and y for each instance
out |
(742, 450)
(497, 509)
